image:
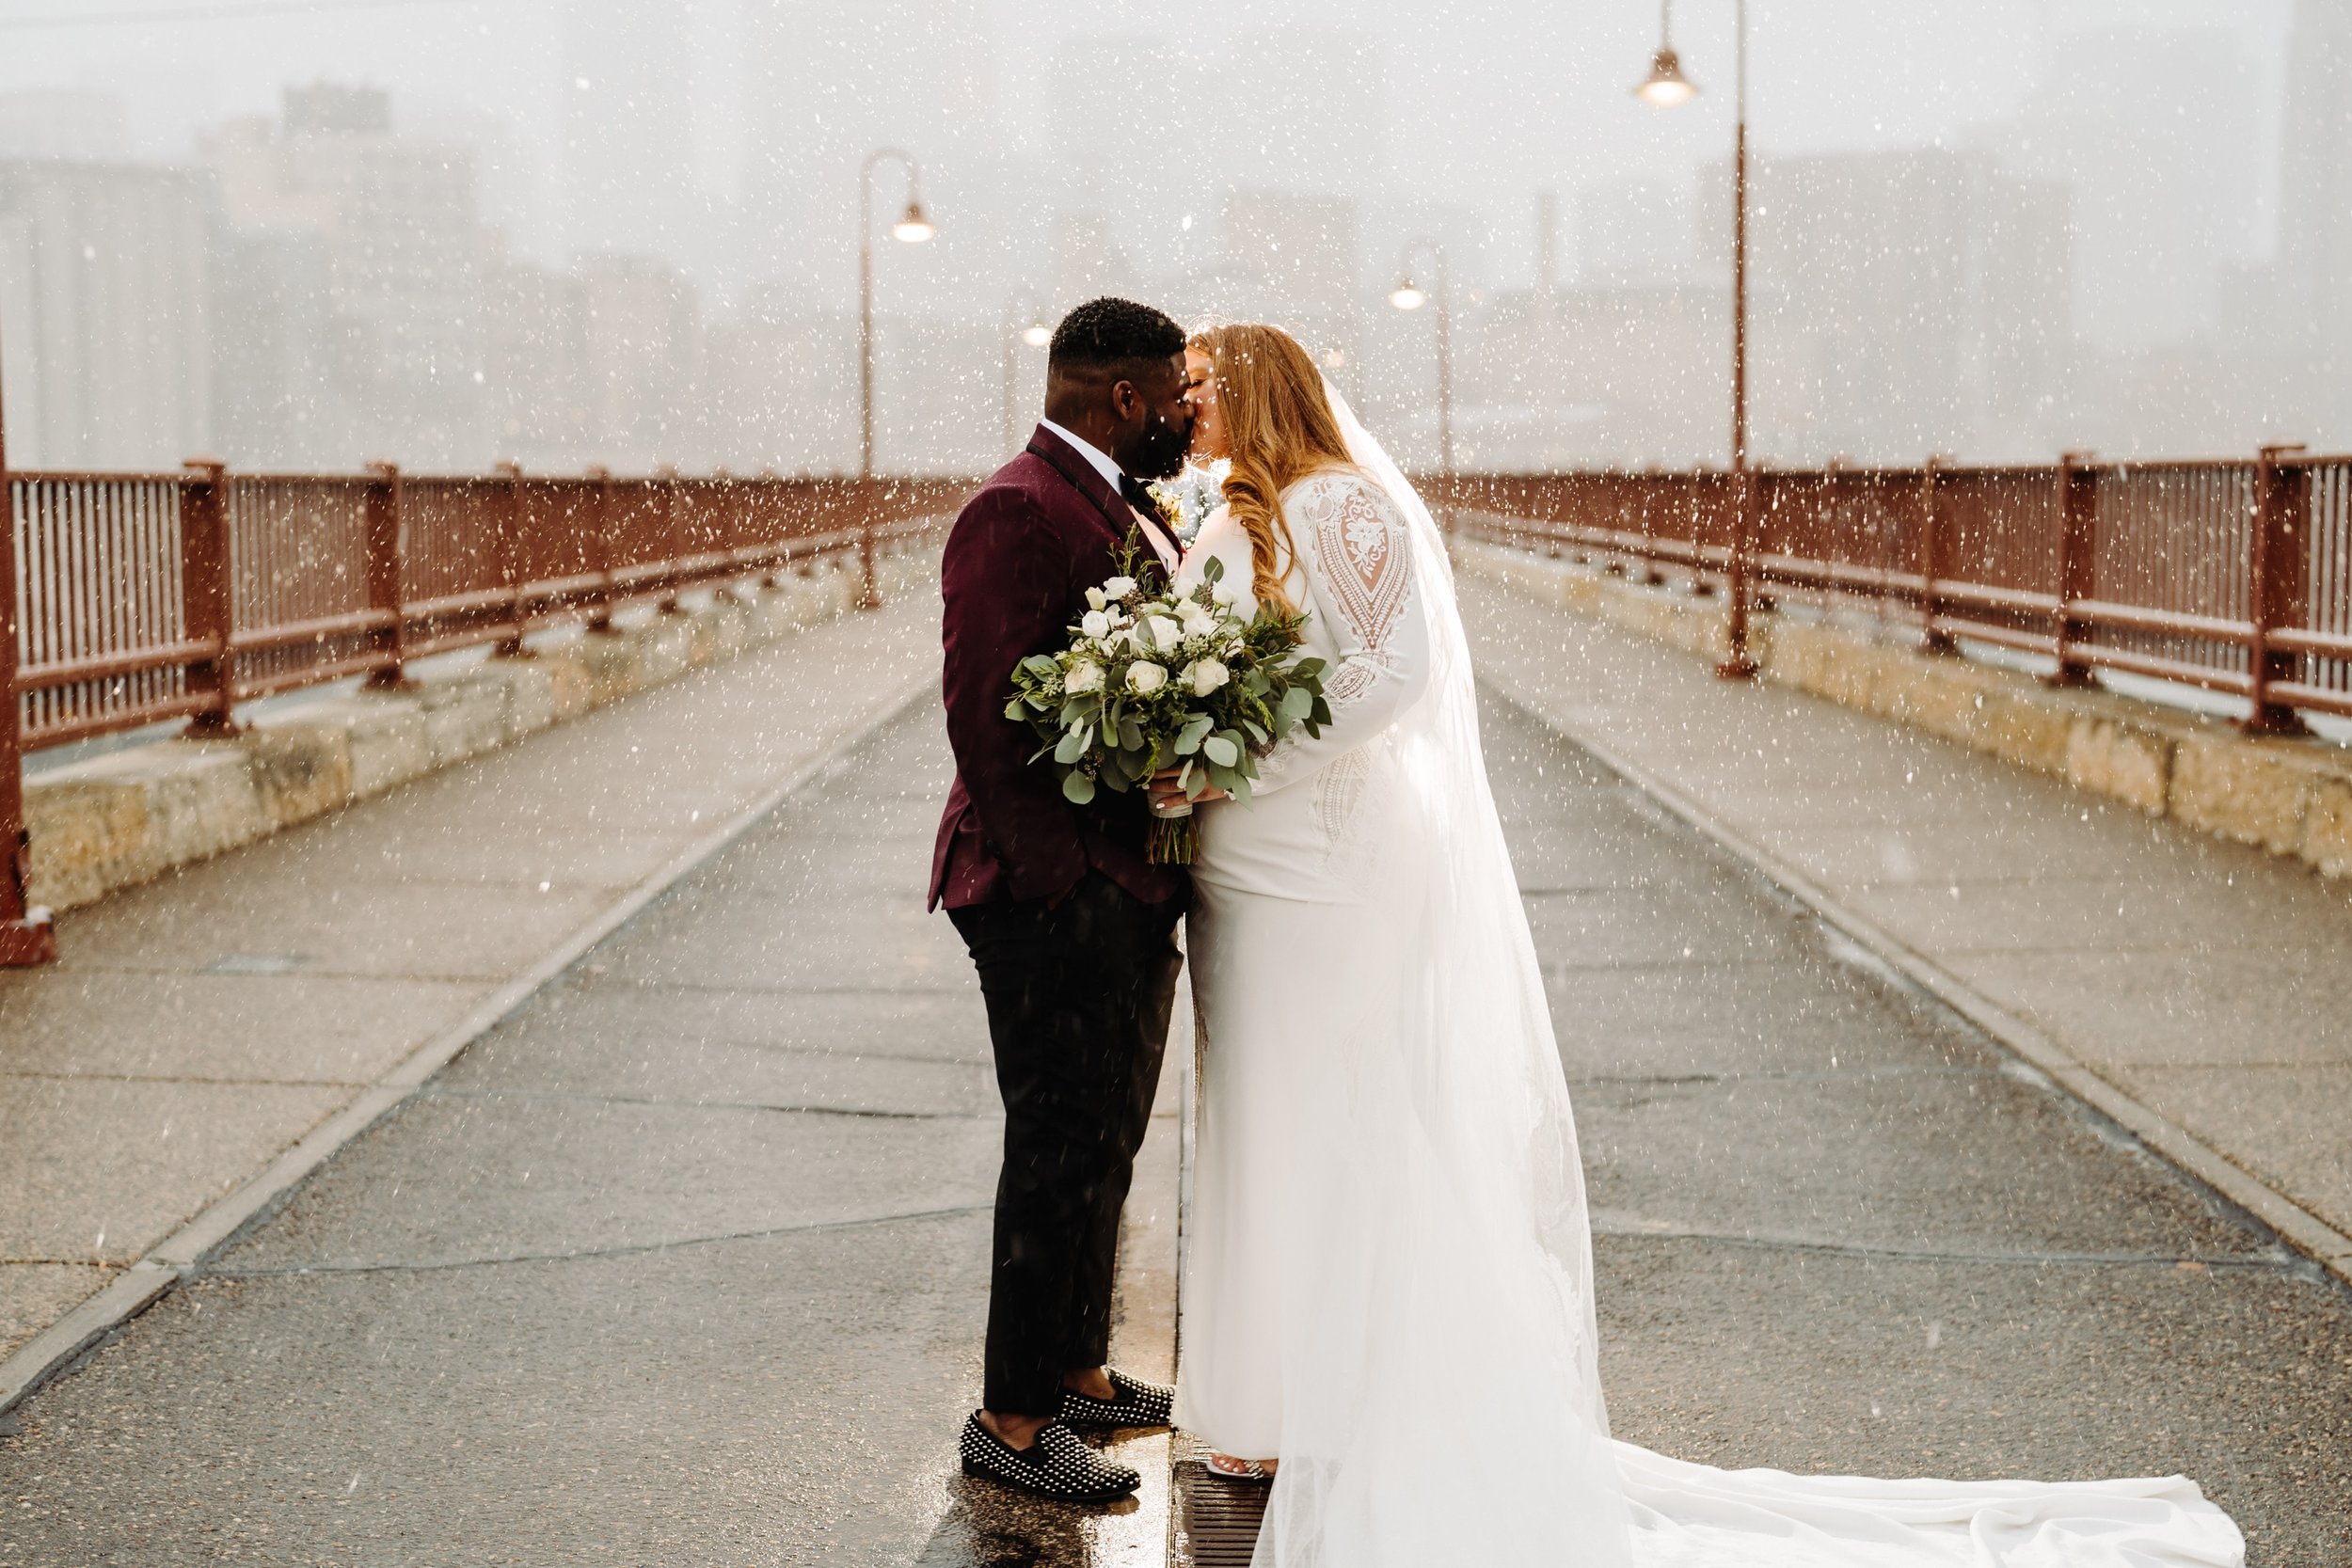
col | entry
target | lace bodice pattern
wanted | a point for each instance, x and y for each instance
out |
(1355, 576)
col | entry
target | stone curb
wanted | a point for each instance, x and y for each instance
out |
(2301, 1229)
(56, 1349)
(2292, 797)
(128, 816)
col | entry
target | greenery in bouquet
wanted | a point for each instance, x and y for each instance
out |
(1153, 682)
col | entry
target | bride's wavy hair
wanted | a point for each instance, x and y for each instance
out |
(1280, 428)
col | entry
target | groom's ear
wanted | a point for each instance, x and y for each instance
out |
(1126, 400)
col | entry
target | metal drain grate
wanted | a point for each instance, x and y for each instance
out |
(1216, 1520)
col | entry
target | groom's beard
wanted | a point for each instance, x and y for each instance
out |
(1159, 450)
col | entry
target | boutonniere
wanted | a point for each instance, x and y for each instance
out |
(1167, 508)
(1186, 500)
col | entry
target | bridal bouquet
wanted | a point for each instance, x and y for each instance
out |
(1154, 681)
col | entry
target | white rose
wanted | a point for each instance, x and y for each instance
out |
(1083, 679)
(1095, 624)
(1118, 587)
(1221, 593)
(1145, 677)
(1095, 599)
(1205, 675)
(1165, 632)
(1198, 621)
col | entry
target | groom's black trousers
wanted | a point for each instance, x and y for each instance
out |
(1078, 999)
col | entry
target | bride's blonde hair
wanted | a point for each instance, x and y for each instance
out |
(1279, 428)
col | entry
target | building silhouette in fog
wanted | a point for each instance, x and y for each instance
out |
(2313, 298)
(629, 181)
(105, 287)
(372, 244)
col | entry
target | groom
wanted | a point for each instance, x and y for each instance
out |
(1070, 925)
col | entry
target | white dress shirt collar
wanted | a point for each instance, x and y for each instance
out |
(1154, 534)
(1088, 450)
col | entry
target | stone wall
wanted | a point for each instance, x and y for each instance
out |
(130, 816)
(2290, 796)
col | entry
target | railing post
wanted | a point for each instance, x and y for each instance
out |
(387, 542)
(1738, 664)
(600, 606)
(666, 487)
(509, 512)
(1934, 560)
(2278, 584)
(2078, 517)
(1650, 576)
(26, 937)
(205, 602)
(870, 591)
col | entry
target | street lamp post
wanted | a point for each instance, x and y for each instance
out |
(1408, 296)
(1668, 87)
(912, 228)
(1036, 335)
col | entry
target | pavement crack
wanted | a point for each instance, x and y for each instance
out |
(630, 1249)
(861, 1111)
(1621, 1228)
(1792, 1075)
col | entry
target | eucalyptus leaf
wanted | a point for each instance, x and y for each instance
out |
(1078, 788)
(1074, 743)
(1131, 735)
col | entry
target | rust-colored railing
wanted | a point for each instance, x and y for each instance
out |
(130, 599)
(2230, 576)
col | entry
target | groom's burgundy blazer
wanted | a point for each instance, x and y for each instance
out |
(1043, 529)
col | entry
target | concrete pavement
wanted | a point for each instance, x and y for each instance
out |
(1837, 1230)
(683, 1261)
(2200, 991)
(200, 1028)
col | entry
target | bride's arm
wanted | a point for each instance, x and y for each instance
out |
(1359, 576)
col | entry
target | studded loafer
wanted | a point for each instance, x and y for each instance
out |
(1058, 1465)
(1138, 1405)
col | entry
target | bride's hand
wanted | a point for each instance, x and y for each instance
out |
(1166, 792)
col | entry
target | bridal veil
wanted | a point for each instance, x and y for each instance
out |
(1441, 1400)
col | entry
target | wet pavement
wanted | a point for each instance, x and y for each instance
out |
(1838, 1231)
(685, 1263)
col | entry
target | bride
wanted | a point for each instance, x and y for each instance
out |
(1388, 1286)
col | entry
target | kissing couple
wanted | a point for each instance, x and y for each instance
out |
(1387, 1292)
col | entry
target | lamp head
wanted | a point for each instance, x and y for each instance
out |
(914, 228)
(1667, 87)
(1407, 295)
(1037, 334)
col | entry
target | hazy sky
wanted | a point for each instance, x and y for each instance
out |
(1502, 97)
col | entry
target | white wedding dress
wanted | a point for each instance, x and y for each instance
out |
(1388, 1279)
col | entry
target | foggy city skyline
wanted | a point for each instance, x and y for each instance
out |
(601, 230)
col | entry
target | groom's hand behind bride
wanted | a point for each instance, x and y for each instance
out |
(1166, 792)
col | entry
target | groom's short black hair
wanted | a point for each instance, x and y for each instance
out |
(1108, 335)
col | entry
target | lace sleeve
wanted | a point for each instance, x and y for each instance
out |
(1358, 553)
